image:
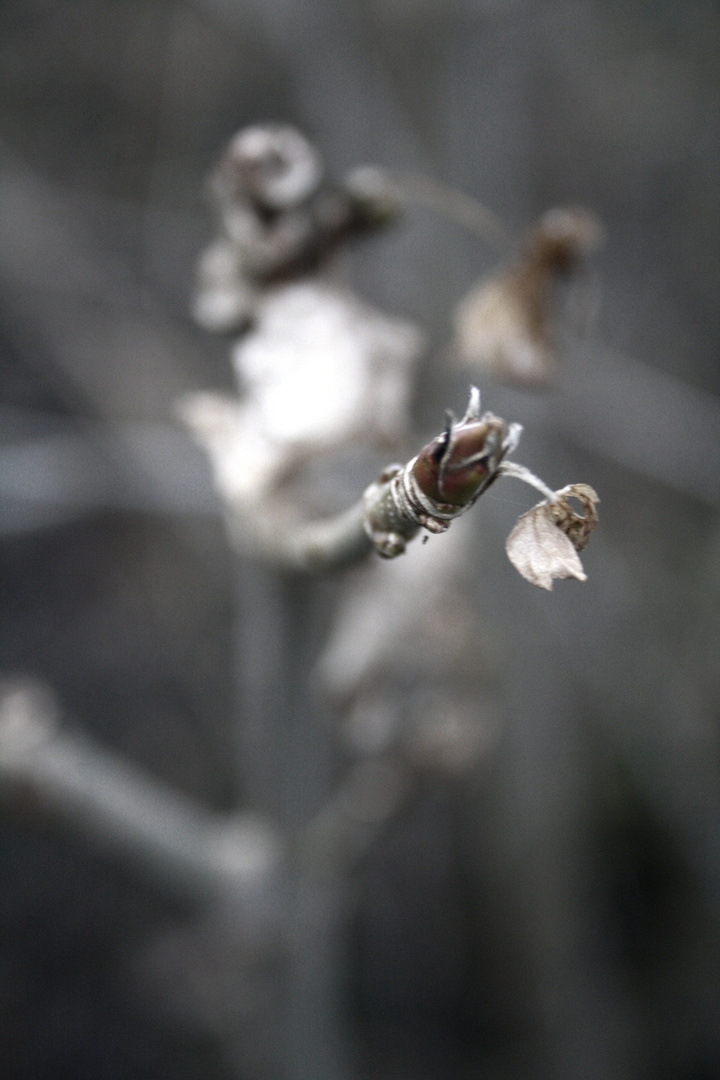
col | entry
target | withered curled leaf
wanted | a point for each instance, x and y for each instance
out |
(506, 326)
(577, 527)
(502, 328)
(545, 541)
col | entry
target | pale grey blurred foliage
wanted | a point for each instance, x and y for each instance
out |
(550, 910)
(317, 371)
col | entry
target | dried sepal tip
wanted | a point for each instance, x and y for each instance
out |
(545, 541)
(577, 527)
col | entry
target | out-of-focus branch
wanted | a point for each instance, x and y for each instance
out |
(412, 188)
(265, 535)
(437, 485)
(55, 469)
(349, 821)
(66, 778)
(114, 805)
(644, 419)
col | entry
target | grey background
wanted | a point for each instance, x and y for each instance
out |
(557, 915)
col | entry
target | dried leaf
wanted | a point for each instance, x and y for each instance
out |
(502, 328)
(545, 541)
(505, 326)
(539, 549)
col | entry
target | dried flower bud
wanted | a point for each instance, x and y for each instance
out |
(504, 326)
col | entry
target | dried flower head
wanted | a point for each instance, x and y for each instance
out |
(505, 324)
(272, 166)
(277, 221)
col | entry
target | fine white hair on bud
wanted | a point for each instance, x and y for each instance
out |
(473, 410)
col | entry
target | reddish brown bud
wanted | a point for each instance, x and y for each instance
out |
(457, 466)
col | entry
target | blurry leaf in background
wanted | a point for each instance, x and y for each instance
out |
(505, 326)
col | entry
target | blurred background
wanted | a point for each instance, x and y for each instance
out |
(555, 911)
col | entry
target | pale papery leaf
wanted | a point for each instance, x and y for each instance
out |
(540, 551)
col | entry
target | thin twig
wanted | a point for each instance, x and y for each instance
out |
(305, 547)
(172, 839)
(521, 472)
(452, 204)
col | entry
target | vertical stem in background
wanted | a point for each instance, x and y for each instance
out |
(584, 1011)
(284, 770)
(263, 663)
(316, 1043)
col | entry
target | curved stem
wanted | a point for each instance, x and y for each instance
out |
(521, 472)
(302, 547)
(451, 204)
